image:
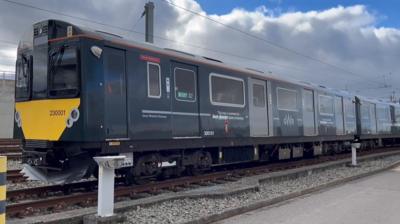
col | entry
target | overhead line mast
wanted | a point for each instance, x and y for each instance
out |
(149, 13)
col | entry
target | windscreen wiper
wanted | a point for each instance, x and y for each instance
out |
(56, 59)
(24, 63)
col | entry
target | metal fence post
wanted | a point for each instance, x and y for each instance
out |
(3, 177)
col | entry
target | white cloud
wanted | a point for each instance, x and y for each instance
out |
(343, 36)
(348, 37)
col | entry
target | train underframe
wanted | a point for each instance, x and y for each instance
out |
(65, 163)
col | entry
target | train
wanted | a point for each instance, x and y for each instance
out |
(82, 93)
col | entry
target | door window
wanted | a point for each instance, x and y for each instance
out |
(258, 95)
(185, 85)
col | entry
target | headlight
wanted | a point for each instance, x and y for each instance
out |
(74, 115)
(17, 117)
(69, 123)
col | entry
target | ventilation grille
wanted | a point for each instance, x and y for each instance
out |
(38, 144)
(40, 30)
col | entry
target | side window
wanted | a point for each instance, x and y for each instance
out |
(287, 99)
(326, 105)
(259, 95)
(23, 74)
(226, 90)
(153, 80)
(185, 85)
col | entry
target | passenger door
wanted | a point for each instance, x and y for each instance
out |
(258, 108)
(308, 113)
(185, 103)
(115, 121)
(339, 115)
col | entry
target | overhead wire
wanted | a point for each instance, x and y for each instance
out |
(8, 42)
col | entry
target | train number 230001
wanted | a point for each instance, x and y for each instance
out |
(57, 113)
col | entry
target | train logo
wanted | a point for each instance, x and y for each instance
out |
(288, 120)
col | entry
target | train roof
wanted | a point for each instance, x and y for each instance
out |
(101, 35)
(376, 101)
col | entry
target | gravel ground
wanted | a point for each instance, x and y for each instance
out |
(14, 165)
(32, 184)
(25, 184)
(183, 210)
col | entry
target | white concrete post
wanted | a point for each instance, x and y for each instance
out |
(353, 155)
(354, 147)
(107, 166)
(105, 192)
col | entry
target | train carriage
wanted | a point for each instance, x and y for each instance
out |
(83, 93)
(396, 119)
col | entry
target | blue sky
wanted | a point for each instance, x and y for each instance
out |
(387, 11)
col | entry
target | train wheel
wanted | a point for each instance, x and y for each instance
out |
(145, 168)
(202, 162)
(131, 180)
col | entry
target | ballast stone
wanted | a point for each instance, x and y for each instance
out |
(94, 219)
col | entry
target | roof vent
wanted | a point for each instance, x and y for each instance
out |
(255, 70)
(108, 34)
(176, 51)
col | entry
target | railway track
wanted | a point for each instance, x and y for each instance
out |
(55, 198)
(10, 148)
(15, 176)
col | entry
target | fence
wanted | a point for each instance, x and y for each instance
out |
(7, 75)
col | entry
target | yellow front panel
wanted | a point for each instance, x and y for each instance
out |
(3, 190)
(3, 164)
(45, 119)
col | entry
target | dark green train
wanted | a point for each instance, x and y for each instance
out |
(82, 93)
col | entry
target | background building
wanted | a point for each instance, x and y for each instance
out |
(6, 107)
